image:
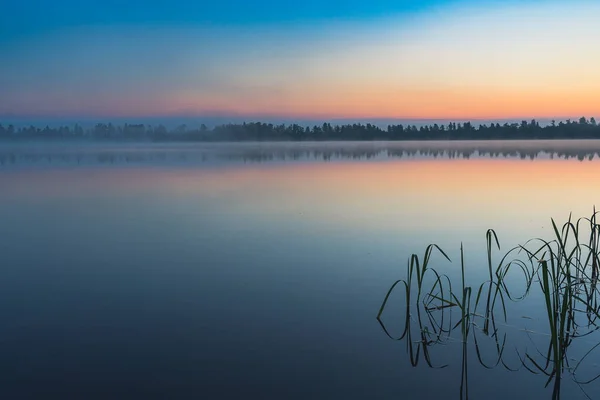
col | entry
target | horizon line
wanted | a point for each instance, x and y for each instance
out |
(249, 117)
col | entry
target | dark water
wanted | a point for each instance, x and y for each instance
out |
(234, 271)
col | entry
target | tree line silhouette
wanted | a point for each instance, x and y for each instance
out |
(259, 131)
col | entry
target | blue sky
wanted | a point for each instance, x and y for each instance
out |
(38, 16)
(438, 59)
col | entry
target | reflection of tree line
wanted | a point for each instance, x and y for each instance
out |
(100, 158)
(279, 154)
(258, 131)
(563, 272)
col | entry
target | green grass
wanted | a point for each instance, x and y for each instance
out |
(561, 272)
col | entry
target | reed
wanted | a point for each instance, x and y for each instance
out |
(562, 270)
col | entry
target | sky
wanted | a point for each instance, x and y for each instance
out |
(313, 59)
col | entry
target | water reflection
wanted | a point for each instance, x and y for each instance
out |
(177, 282)
(272, 152)
(559, 291)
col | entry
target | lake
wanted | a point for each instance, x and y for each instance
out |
(224, 271)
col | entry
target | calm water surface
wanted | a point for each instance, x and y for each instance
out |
(257, 271)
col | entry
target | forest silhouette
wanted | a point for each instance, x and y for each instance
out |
(257, 131)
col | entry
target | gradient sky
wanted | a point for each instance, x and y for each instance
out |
(314, 59)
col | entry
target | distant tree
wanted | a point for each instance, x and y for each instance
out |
(161, 130)
(78, 130)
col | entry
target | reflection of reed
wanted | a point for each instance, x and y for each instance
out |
(273, 152)
(566, 269)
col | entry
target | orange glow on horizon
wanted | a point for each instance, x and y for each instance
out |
(450, 104)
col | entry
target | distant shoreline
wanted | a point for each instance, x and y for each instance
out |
(266, 132)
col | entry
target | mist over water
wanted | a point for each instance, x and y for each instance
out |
(56, 154)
